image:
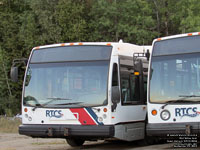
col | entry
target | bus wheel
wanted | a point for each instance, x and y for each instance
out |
(75, 142)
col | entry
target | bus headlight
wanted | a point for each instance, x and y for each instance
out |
(165, 115)
(100, 119)
(29, 118)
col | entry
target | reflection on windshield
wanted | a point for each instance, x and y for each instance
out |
(67, 83)
(175, 76)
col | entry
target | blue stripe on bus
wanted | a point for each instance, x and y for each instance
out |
(94, 116)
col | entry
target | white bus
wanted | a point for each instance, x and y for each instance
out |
(174, 86)
(84, 91)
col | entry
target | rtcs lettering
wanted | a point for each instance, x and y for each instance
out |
(185, 111)
(53, 113)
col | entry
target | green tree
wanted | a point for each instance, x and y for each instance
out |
(10, 48)
(45, 25)
(71, 17)
(166, 14)
(122, 19)
(189, 16)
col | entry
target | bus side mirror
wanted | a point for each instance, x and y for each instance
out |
(14, 74)
(115, 97)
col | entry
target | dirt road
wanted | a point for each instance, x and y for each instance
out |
(20, 142)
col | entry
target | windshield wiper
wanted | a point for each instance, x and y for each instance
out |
(189, 96)
(36, 106)
(179, 101)
(58, 98)
(54, 98)
(70, 103)
(51, 100)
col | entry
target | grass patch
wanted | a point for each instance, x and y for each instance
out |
(9, 125)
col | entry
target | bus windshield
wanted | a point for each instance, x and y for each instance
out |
(57, 82)
(175, 77)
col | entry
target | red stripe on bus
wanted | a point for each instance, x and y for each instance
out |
(83, 117)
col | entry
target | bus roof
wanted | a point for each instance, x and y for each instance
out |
(177, 36)
(91, 43)
(122, 48)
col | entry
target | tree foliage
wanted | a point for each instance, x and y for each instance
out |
(25, 24)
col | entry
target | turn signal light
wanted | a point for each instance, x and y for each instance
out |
(25, 109)
(105, 110)
(154, 112)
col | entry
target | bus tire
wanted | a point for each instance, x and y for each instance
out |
(75, 142)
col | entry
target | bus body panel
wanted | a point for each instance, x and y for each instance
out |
(178, 113)
(126, 122)
(182, 117)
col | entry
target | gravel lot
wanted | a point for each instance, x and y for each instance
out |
(20, 142)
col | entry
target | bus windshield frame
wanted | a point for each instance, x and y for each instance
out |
(68, 83)
(175, 71)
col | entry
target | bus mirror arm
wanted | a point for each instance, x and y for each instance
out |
(115, 97)
(147, 54)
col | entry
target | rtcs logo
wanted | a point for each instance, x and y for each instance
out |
(54, 113)
(190, 112)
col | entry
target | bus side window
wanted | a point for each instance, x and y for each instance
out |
(125, 90)
(135, 88)
(125, 84)
(130, 88)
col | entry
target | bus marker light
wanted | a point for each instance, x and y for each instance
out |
(136, 73)
(108, 44)
(80, 43)
(113, 117)
(159, 39)
(189, 34)
(198, 33)
(71, 44)
(154, 112)
(37, 47)
(62, 45)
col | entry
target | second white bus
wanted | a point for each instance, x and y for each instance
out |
(174, 86)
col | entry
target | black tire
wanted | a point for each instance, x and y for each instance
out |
(75, 142)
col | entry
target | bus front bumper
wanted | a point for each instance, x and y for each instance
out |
(66, 131)
(167, 129)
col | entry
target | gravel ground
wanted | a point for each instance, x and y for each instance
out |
(20, 142)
